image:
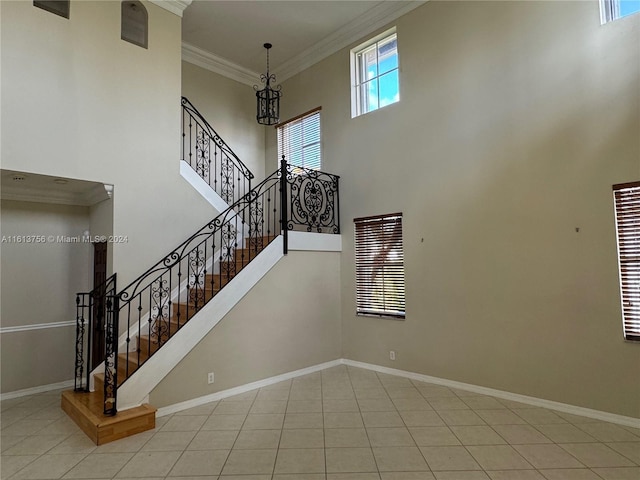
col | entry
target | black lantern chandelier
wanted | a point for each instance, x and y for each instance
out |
(268, 112)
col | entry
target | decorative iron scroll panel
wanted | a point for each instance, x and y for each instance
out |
(90, 306)
(158, 303)
(211, 158)
(313, 197)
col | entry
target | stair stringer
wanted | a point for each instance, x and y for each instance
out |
(202, 187)
(136, 389)
(180, 291)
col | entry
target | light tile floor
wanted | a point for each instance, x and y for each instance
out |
(342, 423)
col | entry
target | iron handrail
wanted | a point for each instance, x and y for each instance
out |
(174, 256)
(291, 197)
(187, 105)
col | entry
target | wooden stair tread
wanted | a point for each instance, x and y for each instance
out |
(184, 304)
(206, 286)
(86, 410)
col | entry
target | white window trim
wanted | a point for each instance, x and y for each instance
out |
(354, 69)
(369, 239)
(299, 118)
(610, 11)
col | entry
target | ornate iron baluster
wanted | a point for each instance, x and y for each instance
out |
(89, 308)
(197, 264)
(283, 206)
(202, 155)
(159, 311)
(220, 169)
(306, 199)
(111, 357)
(80, 321)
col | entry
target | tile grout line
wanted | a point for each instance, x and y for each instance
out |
(491, 427)
(364, 426)
(284, 419)
(324, 436)
(239, 430)
(528, 423)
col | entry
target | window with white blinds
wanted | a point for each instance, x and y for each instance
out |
(627, 202)
(380, 266)
(299, 140)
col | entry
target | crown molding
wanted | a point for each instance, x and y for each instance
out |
(219, 65)
(88, 198)
(174, 6)
(379, 16)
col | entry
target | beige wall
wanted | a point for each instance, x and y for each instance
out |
(284, 323)
(101, 224)
(79, 102)
(39, 285)
(229, 107)
(515, 119)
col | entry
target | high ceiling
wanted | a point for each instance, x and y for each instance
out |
(32, 187)
(235, 31)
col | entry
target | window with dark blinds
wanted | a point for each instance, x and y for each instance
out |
(299, 141)
(627, 202)
(379, 266)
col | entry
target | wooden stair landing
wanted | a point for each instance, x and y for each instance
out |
(85, 408)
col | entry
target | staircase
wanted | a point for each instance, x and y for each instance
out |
(156, 306)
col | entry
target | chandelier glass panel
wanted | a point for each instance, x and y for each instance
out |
(268, 99)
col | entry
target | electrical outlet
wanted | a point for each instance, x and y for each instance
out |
(392, 355)
(210, 378)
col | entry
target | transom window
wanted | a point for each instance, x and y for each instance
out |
(134, 24)
(374, 74)
(627, 205)
(380, 266)
(614, 9)
(59, 7)
(299, 140)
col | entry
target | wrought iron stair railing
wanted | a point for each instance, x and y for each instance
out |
(91, 312)
(211, 158)
(156, 305)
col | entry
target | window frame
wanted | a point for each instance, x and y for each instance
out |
(124, 35)
(626, 196)
(370, 242)
(300, 119)
(610, 11)
(356, 81)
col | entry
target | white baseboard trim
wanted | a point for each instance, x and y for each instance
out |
(151, 372)
(34, 390)
(516, 397)
(195, 402)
